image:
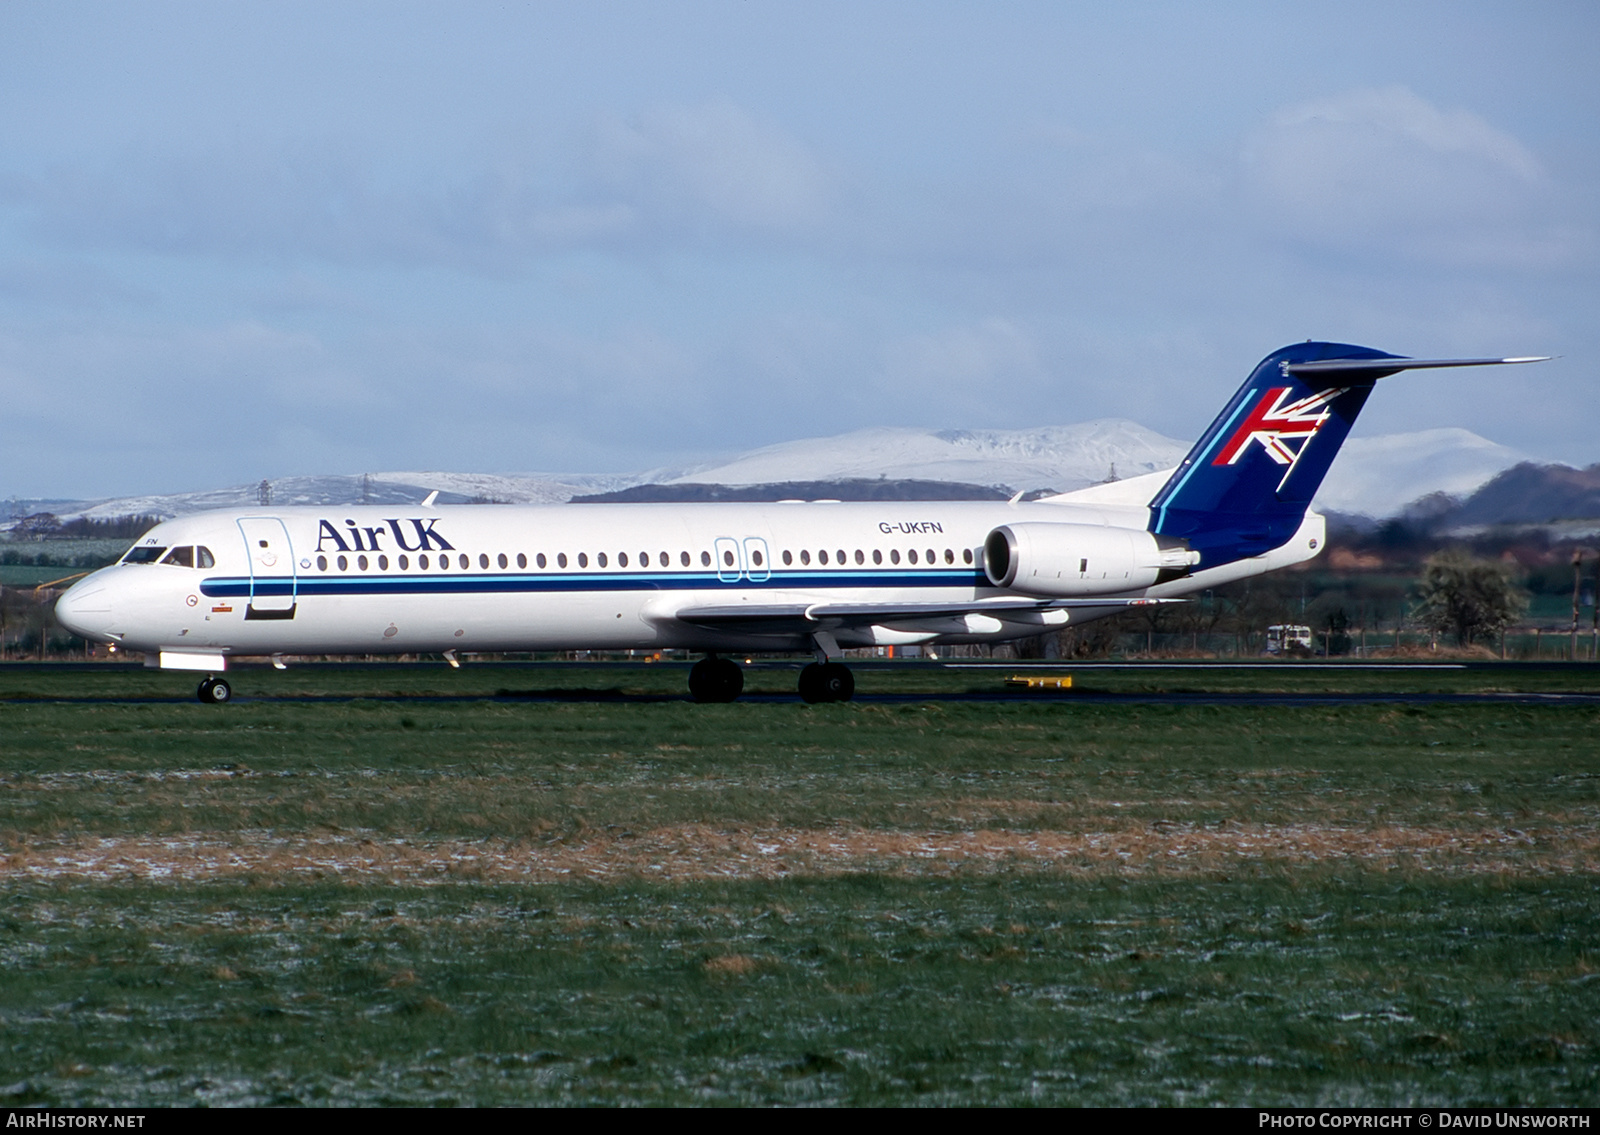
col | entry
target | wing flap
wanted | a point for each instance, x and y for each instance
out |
(807, 617)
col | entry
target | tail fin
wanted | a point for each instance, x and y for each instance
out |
(1245, 486)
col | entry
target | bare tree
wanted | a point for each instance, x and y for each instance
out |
(1468, 597)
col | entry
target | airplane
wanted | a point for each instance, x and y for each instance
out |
(813, 577)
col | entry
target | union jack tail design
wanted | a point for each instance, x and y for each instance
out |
(1284, 428)
(1245, 486)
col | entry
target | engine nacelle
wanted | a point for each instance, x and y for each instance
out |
(1064, 560)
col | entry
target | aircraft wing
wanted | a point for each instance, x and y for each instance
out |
(807, 617)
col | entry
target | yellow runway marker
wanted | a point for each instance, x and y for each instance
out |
(1064, 682)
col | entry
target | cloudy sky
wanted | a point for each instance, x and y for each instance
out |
(253, 240)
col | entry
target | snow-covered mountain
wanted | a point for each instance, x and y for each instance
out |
(1052, 457)
(376, 488)
(1376, 476)
(1379, 476)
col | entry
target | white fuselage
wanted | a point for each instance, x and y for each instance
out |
(408, 579)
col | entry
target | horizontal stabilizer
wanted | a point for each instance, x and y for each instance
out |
(1378, 368)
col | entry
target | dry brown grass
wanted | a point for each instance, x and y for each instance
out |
(693, 851)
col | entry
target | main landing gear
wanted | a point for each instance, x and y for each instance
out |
(215, 691)
(714, 679)
(826, 681)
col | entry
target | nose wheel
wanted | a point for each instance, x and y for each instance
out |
(215, 691)
(714, 679)
(827, 681)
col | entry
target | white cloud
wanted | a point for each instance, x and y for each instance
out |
(1385, 168)
(717, 157)
(671, 173)
(1396, 113)
(971, 366)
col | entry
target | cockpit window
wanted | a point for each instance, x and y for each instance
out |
(143, 555)
(203, 557)
(183, 557)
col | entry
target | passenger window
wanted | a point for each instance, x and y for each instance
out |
(181, 557)
(344, 564)
(383, 563)
(622, 559)
(203, 557)
(930, 555)
(666, 560)
(561, 559)
(755, 558)
(860, 559)
(877, 556)
(583, 559)
(405, 563)
(444, 563)
(727, 559)
(322, 563)
(822, 556)
(911, 556)
(466, 561)
(841, 556)
(894, 555)
(705, 559)
(949, 556)
(805, 556)
(540, 560)
(683, 558)
(600, 559)
(966, 555)
(503, 562)
(422, 562)
(788, 557)
(361, 562)
(522, 560)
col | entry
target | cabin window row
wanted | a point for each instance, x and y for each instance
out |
(464, 562)
(928, 556)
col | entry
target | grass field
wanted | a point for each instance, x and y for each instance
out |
(388, 885)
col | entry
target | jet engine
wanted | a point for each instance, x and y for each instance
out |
(1066, 560)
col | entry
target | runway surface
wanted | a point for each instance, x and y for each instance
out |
(1063, 698)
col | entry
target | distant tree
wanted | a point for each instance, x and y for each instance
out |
(1334, 627)
(1468, 597)
(127, 527)
(39, 526)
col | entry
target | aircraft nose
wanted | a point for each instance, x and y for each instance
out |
(85, 609)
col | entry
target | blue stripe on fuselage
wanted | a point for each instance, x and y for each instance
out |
(306, 586)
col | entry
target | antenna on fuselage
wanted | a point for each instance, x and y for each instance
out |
(427, 501)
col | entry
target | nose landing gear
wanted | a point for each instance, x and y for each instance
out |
(215, 691)
(714, 679)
